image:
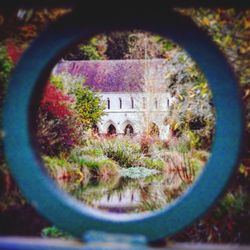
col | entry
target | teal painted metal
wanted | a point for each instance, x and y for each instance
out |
(24, 93)
(93, 241)
(38, 244)
(103, 237)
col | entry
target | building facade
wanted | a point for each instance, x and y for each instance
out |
(134, 91)
(135, 113)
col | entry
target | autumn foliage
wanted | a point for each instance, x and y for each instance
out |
(55, 102)
(55, 132)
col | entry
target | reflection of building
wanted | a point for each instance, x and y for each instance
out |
(135, 93)
(122, 202)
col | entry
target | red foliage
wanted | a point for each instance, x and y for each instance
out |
(146, 141)
(56, 122)
(55, 102)
(28, 32)
(14, 52)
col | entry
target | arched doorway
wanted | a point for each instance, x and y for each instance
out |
(154, 130)
(111, 130)
(95, 130)
(129, 130)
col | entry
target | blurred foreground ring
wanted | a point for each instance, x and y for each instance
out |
(25, 92)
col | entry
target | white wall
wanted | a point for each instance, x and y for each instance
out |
(139, 117)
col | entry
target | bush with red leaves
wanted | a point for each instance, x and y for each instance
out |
(55, 102)
(55, 123)
(13, 51)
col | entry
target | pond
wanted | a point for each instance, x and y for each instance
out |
(133, 190)
(118, 175)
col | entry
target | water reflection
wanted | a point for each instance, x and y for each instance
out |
(126, 195)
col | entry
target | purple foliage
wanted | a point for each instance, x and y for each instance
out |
(113, 75)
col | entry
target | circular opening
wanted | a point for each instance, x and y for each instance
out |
(125, 124)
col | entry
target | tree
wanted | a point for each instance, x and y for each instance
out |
(88, 105)
(94, 49)
(56, 131)
(192, 115)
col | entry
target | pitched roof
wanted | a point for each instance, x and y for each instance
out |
(118, 75)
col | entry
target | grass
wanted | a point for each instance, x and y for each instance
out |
(55, 166)
(125, 153)
(106, 166)
(104, 158)
(98, 166)
(150, 163)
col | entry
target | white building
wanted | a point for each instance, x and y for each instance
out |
(135, 93)
(135, 113)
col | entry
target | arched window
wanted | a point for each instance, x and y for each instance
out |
(108, 103)
(168, 103)
(132, 102)
(156, 103)
(111, 130)
(120, 102)
(143, 102)
(129, 130)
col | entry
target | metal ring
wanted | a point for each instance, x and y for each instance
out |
(25, 91)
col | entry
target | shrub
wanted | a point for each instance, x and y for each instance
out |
(92, 151)
(192, 113)
(122, 151)
(55, 102)
(61, 168)
(6, 66)
(145, 142)
(55, 165)
(107, 168)
(97, 166)
(14, 52)
(57, 81)
(57, 127)
(201, 155)
(153, 163)
(196, 165)
(90, 52)
(54, 135)
(181, 144)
